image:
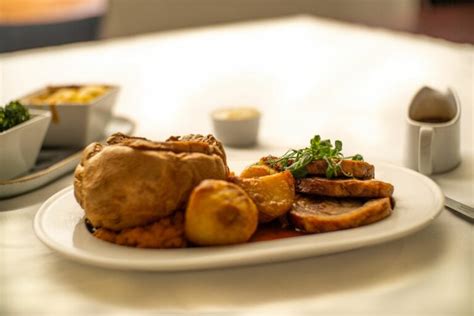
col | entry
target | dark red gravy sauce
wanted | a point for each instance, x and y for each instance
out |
(272, 232)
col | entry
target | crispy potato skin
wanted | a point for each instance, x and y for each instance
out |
(220, 213)
(273, 194)
(255, 171)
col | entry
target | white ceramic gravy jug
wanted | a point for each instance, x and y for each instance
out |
(433, 132)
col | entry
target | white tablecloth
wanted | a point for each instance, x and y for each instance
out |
(308, 76)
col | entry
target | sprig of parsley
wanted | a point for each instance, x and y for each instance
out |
(13, 114)
(296, 161)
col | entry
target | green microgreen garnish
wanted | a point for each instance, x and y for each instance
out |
(12, 114)
(296, 161)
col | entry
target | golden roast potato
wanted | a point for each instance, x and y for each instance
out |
(273, 194)
(219, 213)
(254, 171)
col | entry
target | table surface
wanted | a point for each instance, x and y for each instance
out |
(308, 76)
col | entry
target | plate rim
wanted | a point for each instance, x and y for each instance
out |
(293, 253)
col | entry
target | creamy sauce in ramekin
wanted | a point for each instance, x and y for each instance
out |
(236, 114)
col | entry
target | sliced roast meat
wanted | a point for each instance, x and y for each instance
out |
(344, 187)
(348, 168)
(321, 214)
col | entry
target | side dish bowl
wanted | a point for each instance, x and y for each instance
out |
(20, 145)
(74, 123)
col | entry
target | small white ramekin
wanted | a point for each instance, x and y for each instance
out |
(236, 127)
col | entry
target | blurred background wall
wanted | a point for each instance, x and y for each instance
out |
(127, 17)
(36, 23)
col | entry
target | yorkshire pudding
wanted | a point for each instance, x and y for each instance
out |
(133, 181)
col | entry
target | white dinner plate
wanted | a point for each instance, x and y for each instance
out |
(59, 223)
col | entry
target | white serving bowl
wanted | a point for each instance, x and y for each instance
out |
(20, 145)
(79, 124)
(236, 127)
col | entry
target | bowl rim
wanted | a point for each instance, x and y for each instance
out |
(35, 116)
(113, 89)
(257, 114)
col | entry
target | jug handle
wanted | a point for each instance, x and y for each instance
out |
(425, 164)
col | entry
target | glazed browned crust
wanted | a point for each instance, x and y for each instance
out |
(344, 187)
(194, 143)
(216, 146)
(349, 168)
(319, 214)
(133, 182)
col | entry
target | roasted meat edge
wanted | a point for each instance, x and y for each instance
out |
(319, 214)
(344, 187)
